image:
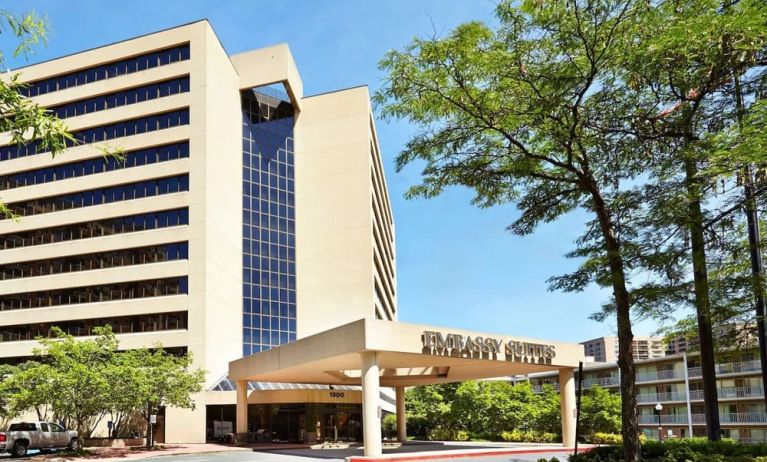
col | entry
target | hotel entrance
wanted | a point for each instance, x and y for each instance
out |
(340, 422)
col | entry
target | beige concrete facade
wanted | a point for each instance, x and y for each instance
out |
(345, 258)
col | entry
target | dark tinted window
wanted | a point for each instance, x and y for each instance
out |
(22, 427)
(107, 71)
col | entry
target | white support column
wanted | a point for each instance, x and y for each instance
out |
(399, 393)
(242, 406)
(371, 423)
(567, 406)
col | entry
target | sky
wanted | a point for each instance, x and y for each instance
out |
(457, 265)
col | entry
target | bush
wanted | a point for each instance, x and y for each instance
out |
(441, 434)
(518, 436)
(682, 450)
(389, 426)
(612, 439)
(419, 427)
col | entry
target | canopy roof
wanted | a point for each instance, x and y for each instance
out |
(407, 355)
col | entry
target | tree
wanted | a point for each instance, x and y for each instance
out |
(156, 379)
(549, 418)
(69, 376)
(509, 113)
(600, 411)
(685, 64)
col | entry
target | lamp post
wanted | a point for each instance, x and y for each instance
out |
(658, 408)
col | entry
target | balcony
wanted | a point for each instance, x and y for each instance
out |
(601, 381)
(658, 375)
(730, 393)
(539, 388)
(740, 392)
(729, 368)
(744, 417)
(661, 397)
(734, 418)
(752, 441)
(665, 419)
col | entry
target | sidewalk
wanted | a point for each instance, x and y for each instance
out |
(136, 453)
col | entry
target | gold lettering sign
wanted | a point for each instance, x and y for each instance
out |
(466, 346)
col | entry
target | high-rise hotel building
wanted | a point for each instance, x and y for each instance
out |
(244, 215)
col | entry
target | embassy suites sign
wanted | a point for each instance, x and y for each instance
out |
(466, 346)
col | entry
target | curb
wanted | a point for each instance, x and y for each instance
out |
(457, 455)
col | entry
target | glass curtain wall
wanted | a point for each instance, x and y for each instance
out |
(269, 255)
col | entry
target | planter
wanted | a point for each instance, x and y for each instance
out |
(113, 442)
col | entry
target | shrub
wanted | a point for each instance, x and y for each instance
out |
(441, 434)
(517, 435)
(419, 427)
(389, 425)
(682, 450)
(612, 439)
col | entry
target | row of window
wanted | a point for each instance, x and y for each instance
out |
(100, 196)
(107, 71)
(85, 327)
(103, 133)
(108, 227)
(94, 294)
(99, 165)
(98, 260)
(268, 308)
(269, 336)
(121, 98)
(255, 247)
(268, 294)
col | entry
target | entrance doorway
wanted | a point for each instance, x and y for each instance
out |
(341, 423)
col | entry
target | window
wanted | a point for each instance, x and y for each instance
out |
(94, 166)
(107, 71)
(129, 191)
(102, 133)
(44, 427)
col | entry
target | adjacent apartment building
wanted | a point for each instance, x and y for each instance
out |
(605, 349)
(675, 382)
(245, 214)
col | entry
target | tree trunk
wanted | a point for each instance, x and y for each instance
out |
(149, 428)
(702, 298)
(629, 422)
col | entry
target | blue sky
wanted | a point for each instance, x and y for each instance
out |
(457, 265)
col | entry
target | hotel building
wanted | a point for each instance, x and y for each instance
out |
(675, 382)
(245, 215)
(605, 349)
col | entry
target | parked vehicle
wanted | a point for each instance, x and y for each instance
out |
(23, 436)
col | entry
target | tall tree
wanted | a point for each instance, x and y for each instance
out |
(683, 61)
(507, 112)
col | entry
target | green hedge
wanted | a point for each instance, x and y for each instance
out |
(682, 450)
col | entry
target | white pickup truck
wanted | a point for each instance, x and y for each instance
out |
(23, 436)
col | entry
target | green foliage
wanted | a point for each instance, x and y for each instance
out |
(80, 381)
(389, 426)
(529, 436)
(682, 450)
(600, 411)
(612, 439)
(486, 410)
